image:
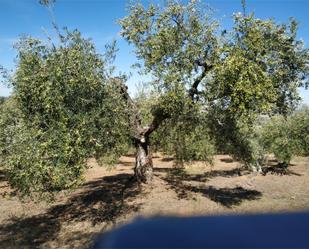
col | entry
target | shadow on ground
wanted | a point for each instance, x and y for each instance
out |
(279, 169)
(180, 173)
(227, 160)
(227, 197)
(167, 159)
(103, 200)
(180, 182)
(177, 179)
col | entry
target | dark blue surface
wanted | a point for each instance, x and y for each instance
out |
(246, 231)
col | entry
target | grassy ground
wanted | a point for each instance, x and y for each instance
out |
(108, 198)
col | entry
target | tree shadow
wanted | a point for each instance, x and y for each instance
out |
(162, 169)
(103, 200)
(219, 173)
(227, 197)
(227, 160)
(167, 159)
(272, 161)
(180, 173)
(279, 169)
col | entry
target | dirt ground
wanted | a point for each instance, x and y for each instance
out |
(109, 198)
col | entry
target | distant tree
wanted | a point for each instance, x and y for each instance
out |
(286, 137)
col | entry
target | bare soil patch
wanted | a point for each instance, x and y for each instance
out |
(109, 198)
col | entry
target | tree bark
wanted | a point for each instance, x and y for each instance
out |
(141, 135)
(143, 164)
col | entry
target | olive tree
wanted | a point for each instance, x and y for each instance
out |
(235, 75)
(260, 72)
(63, 109)
(178, 46)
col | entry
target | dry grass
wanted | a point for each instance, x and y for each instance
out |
(109, 198)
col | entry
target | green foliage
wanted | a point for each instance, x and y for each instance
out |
(2, 100)
(283, 136)
(300, 130)
(65, 108)
(184, 135)
(4, 76)
(287, 136)
(146, 100)
(9, 119)
(210, 90)
(188, 137)
(278, 140)
(47, 2)
(261, 69)
(185, 142)
(170, 42)
(239, 139)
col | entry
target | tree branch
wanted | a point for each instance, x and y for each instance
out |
(135, 120)
(206, 68)
(159, 117)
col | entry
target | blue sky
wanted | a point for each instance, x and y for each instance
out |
(98, 19)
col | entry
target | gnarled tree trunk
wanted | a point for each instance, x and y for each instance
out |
(141, 135)
(143, 165)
